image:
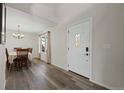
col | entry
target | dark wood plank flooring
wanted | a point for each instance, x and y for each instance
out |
(42, 76)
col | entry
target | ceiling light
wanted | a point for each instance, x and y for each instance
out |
(18, 35)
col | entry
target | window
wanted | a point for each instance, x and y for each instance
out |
(43, 43)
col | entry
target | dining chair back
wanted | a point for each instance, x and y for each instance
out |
(7, 54)
(7, 58)
(15, 49)
(22, 58)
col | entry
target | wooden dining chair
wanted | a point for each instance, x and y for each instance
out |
(15, 49)
(22, 58)
(7, 59)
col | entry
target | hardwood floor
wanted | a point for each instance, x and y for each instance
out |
(42, 76)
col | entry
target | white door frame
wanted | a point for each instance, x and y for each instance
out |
(90, 52)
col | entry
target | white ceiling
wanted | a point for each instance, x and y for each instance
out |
(32, 17)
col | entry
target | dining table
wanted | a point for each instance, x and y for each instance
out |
(13, 55)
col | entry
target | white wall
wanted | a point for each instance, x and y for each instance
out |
(108, 26)
(29, 41)
(2, 67)
(58, 47)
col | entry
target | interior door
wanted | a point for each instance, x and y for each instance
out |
(79, 48)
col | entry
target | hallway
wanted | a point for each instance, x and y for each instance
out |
(42, 76)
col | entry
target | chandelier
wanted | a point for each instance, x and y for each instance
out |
(18, 35)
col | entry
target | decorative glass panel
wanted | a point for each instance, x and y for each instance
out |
(77, 40)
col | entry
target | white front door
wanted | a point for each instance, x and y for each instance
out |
(79, 48)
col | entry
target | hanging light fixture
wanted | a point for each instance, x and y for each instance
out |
(18, 35)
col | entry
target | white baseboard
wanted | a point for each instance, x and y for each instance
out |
(4, 84)
(108, 87)
(59, 66)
